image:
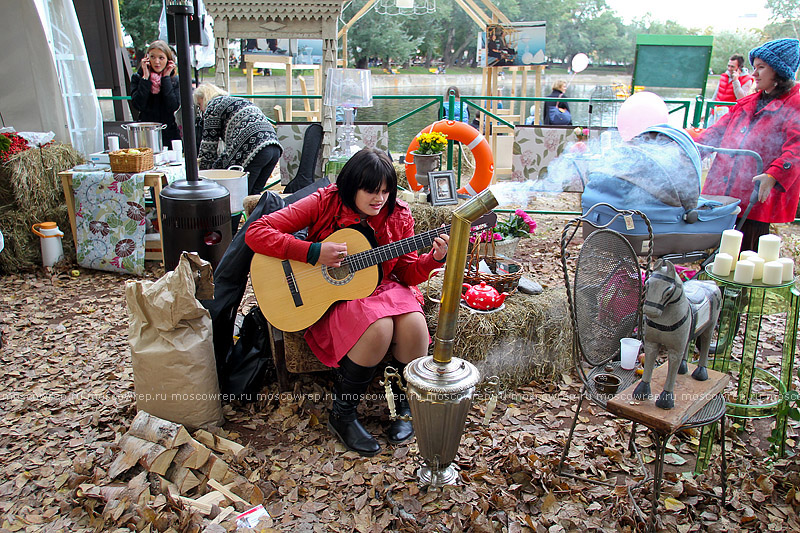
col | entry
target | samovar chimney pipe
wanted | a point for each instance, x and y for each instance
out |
(454, 272)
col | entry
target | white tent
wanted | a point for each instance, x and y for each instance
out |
(46, 83)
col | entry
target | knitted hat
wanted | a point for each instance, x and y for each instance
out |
(783, 55)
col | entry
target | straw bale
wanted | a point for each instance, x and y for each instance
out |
(529, 339)
(31, 193)
(401, 176)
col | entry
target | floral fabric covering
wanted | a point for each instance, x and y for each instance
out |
(535, 147)
(110, 221)
(291, 134)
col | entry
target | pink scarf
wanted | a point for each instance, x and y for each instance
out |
(155, 82)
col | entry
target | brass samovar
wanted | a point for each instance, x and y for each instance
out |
(440, 388)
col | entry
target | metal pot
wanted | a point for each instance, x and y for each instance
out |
(145, 135)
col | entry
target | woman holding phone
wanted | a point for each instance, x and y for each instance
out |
(154, 89)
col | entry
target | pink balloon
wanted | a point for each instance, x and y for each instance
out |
(640, 111)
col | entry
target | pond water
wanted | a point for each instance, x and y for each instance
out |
(400, 135)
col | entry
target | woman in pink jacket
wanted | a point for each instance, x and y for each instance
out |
(354, 336)
(767, 122)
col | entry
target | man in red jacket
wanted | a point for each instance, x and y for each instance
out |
(767, 122)
(733, 85)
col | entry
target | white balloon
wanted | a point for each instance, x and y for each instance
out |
(640, 111)
(580, 62)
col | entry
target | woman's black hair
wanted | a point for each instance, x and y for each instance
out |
(367, 170)
(782, 85)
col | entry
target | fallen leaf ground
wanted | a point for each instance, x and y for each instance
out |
(67, 397)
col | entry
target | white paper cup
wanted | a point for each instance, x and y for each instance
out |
(629, 352)
(177, 147)
(113, 143)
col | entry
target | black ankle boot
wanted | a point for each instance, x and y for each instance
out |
(351, 382)
(400, 431)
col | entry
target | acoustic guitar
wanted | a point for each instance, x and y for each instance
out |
(293, 295)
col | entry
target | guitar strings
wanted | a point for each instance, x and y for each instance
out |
(366, 256)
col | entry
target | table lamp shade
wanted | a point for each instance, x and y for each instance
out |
(348, 87)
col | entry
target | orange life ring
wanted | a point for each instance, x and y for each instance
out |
(472, 139)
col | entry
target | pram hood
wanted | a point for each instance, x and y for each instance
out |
(662, 161)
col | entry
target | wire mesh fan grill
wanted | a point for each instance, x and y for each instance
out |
(607, 289)
(603, 107)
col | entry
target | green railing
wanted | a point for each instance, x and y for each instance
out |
(701, 111)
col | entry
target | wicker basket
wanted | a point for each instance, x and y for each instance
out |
(122, 161)
(505, 273)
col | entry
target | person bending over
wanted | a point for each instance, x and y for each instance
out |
(250, 140)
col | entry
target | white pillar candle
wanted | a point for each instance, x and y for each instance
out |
(113, 143)
(744, 272)
(722, 265)
(730, 244)
(788, 269)
(769, 247)
(758, 263)
(773, 273)
(747, 254)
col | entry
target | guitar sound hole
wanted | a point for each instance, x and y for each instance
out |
(337, 275)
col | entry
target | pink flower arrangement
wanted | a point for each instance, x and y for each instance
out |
(520, 224)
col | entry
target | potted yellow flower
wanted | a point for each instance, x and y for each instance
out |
(428, 157)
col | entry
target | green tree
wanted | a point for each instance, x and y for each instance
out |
(381, 36)
(785, 11)
(728, 43)
(140, 18)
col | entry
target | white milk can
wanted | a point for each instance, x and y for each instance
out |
(50, 239)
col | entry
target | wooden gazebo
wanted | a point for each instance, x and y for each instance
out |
(298, 19)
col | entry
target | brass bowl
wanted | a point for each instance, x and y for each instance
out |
(606, 383)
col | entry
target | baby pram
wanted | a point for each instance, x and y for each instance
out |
(658, 173)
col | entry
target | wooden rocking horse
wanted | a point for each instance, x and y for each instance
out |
(675, 313)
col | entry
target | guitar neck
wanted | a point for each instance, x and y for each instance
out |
(392, 250)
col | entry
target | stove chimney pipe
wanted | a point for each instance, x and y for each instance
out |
(182, 10)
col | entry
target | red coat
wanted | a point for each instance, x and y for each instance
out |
(324, 213)
(773, 132)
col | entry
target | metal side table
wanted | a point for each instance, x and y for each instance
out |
(751, 303)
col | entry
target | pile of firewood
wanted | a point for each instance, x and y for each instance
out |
(181, 468)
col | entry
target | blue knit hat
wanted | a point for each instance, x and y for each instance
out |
(783, 55)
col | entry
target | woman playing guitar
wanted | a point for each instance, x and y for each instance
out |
(354, 336)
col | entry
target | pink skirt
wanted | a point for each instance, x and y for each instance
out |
(333, 335)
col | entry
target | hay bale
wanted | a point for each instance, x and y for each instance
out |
(530, 339)
(31, 192)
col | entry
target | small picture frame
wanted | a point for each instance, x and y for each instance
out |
(442, 184)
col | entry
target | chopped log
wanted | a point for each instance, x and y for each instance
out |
(224, 513)
(217, 443)
(154, 429)
(183, 478)
(192, 454)
(212, 498)
(215, 468)
(224, 489)
(153, 457)
(161, 484)
(229, 477)
(201, 507)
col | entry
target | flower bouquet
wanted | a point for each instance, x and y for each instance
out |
(505, 236)
(431, 143)
(428, 156)
(10, 145)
